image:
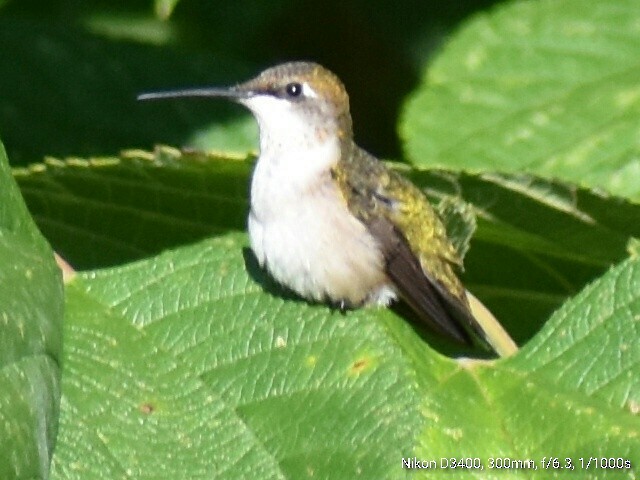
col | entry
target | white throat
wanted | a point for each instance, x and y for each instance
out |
(294, 152)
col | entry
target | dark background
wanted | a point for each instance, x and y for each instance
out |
(70, 69)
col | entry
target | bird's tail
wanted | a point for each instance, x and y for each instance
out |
(493, 332)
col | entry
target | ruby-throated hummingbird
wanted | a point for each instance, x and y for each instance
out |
(330, 221)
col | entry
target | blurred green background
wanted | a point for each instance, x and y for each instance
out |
(71, 68)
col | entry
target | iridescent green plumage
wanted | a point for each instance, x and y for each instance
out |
(373, 190)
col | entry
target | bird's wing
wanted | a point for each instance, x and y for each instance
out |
(419, 259)
(416, 287)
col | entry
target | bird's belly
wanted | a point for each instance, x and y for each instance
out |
(312, 244)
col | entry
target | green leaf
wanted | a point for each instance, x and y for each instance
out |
(31, 302)
(590, 343)
(548, 87)
(105, 211)
(182, 365)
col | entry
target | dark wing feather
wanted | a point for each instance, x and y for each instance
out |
(441, 312)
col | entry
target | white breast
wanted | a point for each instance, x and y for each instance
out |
(299, 225)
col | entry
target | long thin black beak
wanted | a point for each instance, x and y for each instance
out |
(230, 93)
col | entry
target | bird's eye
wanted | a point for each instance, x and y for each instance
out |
(293, 89)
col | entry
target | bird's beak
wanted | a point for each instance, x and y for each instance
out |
(232, 93)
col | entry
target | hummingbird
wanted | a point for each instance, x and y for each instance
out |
(333, 223)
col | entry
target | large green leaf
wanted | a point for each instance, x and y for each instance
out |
(110, 210)
(571, 394)
(590, 344)
(31, 302)
(183, 366)
(540, 86)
